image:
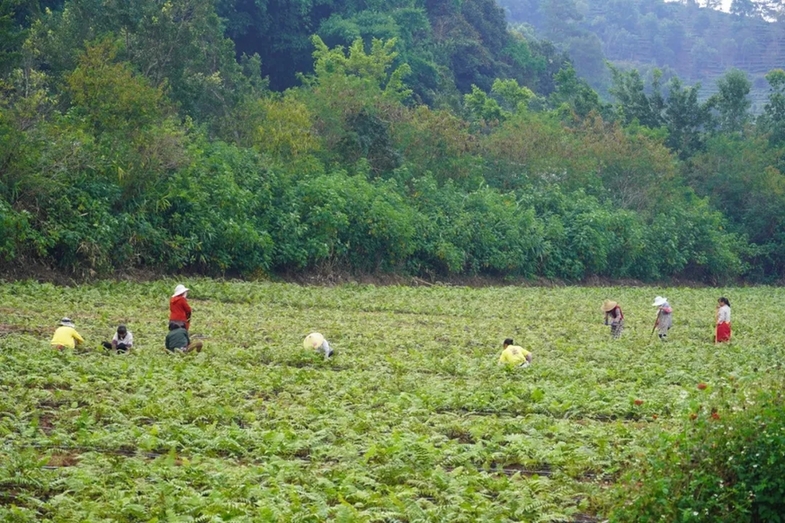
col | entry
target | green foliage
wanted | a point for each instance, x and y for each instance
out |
(412, 419)
(482, 107)
(732, 102)
(575, 94)
(217, 213)
(697, 41)
(11, 36)
(685, 118)
(15, 231)
(361, 73)
(449, 45)
(633, 104)
(132, 136)
(439, 143)
(109, 96)
(479, 232)
(177, 45)
(508, 98)
(338, 220)
(772, 120)
(353, 96)
(724, 465)
(742, 180)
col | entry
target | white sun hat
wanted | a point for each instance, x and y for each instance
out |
(66, 322)
(180, 289)
(659, 300)
(313, 341)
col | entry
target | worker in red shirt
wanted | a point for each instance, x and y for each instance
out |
(179, 310)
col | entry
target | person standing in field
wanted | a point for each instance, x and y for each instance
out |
(613, 317)
(66, 336)
(179, 310)
(178, 340)
(122, 341)
(514, 355)
(723, 332)
(664, 319)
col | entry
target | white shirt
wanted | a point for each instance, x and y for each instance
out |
(128, 340)
(723, 315)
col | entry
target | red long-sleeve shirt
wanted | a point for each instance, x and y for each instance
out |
(179, 310)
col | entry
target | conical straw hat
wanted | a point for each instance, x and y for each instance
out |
(313, 341)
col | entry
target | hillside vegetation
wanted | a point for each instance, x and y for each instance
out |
(697, 43)
(406, 137)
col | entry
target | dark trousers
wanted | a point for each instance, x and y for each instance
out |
(121, 347)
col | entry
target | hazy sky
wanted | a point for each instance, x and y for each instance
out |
(725, 4)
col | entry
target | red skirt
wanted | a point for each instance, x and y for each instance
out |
(723, 332)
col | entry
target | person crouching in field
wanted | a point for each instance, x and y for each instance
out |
(614, 317)
(664, 317)
(514, 356)
(179, 310)
(122, 341)
(317, 342)
(66, 336)
(178, 340)
(723, 321)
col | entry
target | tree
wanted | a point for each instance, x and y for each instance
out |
(632, 102)
(482, 107)
(772, 121)
(513, 96)
(685, 119)
(354, 97)
(11, 36)
(743, 8)
(732, 101)
(587, 56)
(178, 45)
(573, 92)
(110, 95)
(137, 140)
(560, 17)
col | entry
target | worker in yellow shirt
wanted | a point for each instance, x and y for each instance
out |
(66, 335)
(514, 355)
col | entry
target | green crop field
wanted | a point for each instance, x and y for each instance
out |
(412, 421)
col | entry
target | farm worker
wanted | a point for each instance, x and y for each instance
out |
(613, 312)
(122, 340)
(664, 319)
(317, 342)
(66, 335)
(179, 310)
(723, 321)
(178, 340)
(514, 355)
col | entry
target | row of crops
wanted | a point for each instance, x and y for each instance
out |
(412, 421)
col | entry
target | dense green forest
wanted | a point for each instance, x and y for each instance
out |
(266, 137)
(695, 42)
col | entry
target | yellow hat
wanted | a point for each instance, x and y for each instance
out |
(608, 305)
(313, 341)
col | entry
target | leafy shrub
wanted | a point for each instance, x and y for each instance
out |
(342, 219)
(14, 231)
(482, 231)
(692, 241)
(217, 218)
(727, 465)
